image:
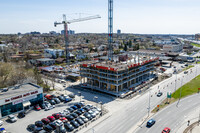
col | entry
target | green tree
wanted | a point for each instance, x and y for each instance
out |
(125, 47)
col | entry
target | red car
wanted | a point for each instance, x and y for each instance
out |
(166, 130)
(49, 97)
(63, 119)
(56, 115)
(37, 107)
(45, 121)
(51, 118)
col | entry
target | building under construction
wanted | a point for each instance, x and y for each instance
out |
(117, 76)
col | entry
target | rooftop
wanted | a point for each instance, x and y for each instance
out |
(18, 89)
(120, 65)
(45, 59)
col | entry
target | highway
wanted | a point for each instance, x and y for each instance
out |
(174, 116)
(126, 118)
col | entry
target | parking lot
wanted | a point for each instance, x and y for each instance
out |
(21, 124)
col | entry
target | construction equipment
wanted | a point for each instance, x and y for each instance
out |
(110, 30)
(65, 23)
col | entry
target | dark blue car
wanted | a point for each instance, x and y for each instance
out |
(151, 122)
(68, 100)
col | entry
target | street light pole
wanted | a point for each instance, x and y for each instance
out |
(95, 97)
(149, 103)
(181, 88)
(101, 107)
(79, 95)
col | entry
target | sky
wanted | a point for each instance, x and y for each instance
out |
(130, 16)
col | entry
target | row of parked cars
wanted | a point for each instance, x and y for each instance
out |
(51, 100)
(66, 120)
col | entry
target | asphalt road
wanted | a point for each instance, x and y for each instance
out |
(173, 116)
(127, 117)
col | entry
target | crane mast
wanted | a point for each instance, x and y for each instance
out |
(110, 29)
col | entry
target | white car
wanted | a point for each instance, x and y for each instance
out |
(1, 123)
(84, 118)
(12, 118)
(59, 123)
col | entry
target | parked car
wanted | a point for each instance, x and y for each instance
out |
(56, 100)
(95, 111)
(70, 110)
(56, 115)
(80, 121)
(68, 127)
(74, 107)
(59, 122)
(78, 112)
(63, 119)
(12, 118)
(61, 98)
(48, 128)
(39, 123)
(74, 123)
(85, 120)
(53, 125)
(52, 102)
(159, 94)
(21, 115)
(93, 114)
(49, 97)
(71, 95)
(151, 122)
(62, 114)
(38, 129)
(74, 115)
(79, 105)
(31, 127)
(166, 130)
(86, 108)
(42, 105)
(87, 115)
(48, 106)
(1, 123)
(2, 130)
(67, 100)
(45, 121)
(66, 111)
(185, 72)
(82, 110)
(42, 131)
(62, 129)
(51, 118)
(37, 107)
(69, 117)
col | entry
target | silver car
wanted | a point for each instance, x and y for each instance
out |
(12, 118)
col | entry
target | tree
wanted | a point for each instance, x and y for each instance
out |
(125, 47)
(130, 43)
(5, 71)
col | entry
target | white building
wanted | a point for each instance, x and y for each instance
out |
(172, 47)
(20, 97)
(55, 52)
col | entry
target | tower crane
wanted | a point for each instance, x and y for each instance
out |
(65, 23)
(110, 29)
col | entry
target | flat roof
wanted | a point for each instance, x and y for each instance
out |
(19, 89)
(44, 59)
(122, 65)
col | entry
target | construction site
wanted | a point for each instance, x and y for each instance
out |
(117, 77)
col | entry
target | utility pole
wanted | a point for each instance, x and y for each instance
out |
(181, 89)
(149, 103)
